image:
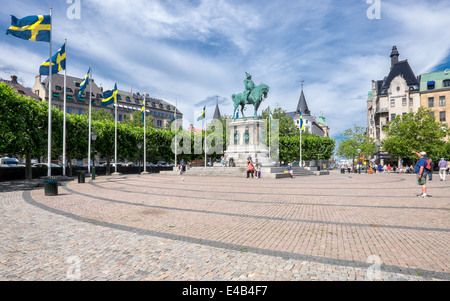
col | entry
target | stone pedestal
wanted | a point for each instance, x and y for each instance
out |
(247, 136)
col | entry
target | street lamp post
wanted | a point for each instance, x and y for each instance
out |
(93, 137)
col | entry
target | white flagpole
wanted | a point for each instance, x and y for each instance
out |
(49, 143)
(176, 129)
(204, 126)
(90, 123)
(145, 134)
(64, 123)
(301, 161)
(115, 132)
(270, 136)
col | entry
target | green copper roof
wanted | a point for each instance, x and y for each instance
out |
(436, 77)
(322, 121)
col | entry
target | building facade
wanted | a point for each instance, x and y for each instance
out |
(160, 110)
(397, 94)
(20, 88)
(435, 94)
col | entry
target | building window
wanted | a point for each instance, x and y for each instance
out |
(69, 90)
(392, 102)
(120, 117)
(58, 88)
(153, 105)
(404, 101)
(69, 110)
(80, 111)
(430, 85)
(446, 83)
(442, 101)
(430, 102)
(392, 116)
(411, 102)
(158, 123)
(442, 116)
(128, 99)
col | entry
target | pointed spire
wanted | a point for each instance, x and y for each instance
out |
(302, 105)
(217, 111)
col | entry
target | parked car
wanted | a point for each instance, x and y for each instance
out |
(10, 162)
(42, 165)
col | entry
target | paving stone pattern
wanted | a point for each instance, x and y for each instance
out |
(172, 227)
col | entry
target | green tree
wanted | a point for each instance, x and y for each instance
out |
(287, 126)
(135, 120)
(356, 143)
(23, 126)
(415, 131)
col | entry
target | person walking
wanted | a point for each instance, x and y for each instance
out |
(421, 173)
(442, 168)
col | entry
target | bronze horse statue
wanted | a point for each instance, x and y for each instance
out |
(256, 96)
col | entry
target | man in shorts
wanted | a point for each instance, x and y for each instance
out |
(421, 174)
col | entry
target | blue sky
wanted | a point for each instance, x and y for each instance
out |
(197, 52)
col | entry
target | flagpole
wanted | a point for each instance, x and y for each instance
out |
(49, 143)
(301, 162)
(90, 124)
(176, 130)
(115, 132)
(65, 103)
(204, 126)
(270, 136)
(145, 134)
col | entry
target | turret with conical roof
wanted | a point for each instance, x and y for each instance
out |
(303, 105)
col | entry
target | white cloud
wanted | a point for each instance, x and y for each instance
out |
(191, 51)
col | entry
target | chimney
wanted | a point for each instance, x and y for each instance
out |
(14, 79)
(394, 56)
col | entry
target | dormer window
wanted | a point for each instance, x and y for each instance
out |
(446, 83)
(431, 85)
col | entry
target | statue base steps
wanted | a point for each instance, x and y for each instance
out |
(241, 172)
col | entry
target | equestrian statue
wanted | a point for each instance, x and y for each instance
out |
(252, 94)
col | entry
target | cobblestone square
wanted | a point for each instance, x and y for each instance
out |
(167, 227)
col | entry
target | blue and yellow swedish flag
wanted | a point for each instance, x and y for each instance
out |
(174, 116)
(302, 125)
(143, 109)
(109, 97)
(84, 83)
(58, 62)
(202, 116)
(271, 119)
(32, 28)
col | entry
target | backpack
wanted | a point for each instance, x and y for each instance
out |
(428, 166)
